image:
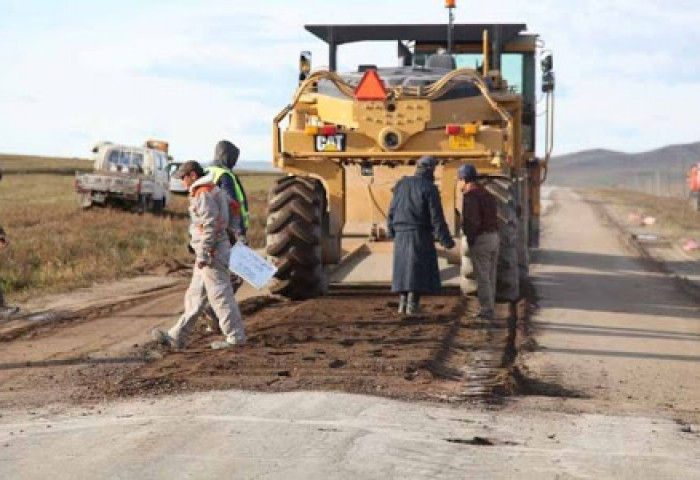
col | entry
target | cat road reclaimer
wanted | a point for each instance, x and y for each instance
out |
(461, 93)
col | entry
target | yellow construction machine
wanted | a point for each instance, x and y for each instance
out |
(462, 93)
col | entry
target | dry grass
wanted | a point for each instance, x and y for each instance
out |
(48, 165)
(56, 247)
(676, 220)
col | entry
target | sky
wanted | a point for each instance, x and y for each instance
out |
(75, 72)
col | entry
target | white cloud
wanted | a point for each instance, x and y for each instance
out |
(193, 73)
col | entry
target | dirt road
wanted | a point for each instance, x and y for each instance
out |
(610, 382)
(619, 337)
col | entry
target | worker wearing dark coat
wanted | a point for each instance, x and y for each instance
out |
(415, 220)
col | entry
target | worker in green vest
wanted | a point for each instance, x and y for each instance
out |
(225, 158)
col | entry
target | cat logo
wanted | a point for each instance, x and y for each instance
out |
(330, 143)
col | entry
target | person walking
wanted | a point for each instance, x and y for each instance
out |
(480, 226)
(6, 311)
(209, 211)
(415, 220)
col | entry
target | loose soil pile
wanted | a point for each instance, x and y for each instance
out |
(357, 345)
(352, 342)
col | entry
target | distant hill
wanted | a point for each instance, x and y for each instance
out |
(664, 167)
(256, 166)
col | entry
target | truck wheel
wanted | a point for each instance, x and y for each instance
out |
(523, 222)
(508, 269)
(143, 204)
(293, 240)
(158, 206)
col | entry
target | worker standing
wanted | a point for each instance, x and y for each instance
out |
(480, 226)
(209, 213)
(6, 311)
(225, 159)
(415, 220)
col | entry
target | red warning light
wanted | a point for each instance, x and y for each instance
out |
(453, 129)
(370, 87)
(328, 130)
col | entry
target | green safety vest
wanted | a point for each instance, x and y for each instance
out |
(218, 172)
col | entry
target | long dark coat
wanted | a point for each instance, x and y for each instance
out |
(415, 220)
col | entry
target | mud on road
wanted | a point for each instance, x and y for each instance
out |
(349, 342)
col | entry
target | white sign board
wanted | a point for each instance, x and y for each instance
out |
(250, 266)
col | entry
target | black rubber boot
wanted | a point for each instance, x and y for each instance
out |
(413, 305)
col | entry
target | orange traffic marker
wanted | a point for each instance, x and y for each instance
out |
(370, 87)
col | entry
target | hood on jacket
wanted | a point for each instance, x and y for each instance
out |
(207, 179)
(426, 167)
(225, 154)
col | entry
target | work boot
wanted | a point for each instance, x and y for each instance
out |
(413, 303)
(165, 339)
(484, 314)
(7, 311)
(222, 344)
(402, 303)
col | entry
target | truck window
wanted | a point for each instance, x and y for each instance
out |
(125, 159)
(511, 67)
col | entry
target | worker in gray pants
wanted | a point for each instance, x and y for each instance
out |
(480, 226)
(209, 212)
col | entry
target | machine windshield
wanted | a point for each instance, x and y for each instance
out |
(511, 67)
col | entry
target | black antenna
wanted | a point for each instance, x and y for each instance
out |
(450, 5)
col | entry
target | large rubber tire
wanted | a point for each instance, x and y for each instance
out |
(143, 204)
(508, 270)
(523, 242)
(158, 207)
(293, 230)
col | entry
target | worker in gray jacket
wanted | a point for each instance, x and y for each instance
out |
(209, 211)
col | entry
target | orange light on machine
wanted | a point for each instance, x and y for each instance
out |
(311, 130)
(471, 129)
(453, 129)
(450, 3)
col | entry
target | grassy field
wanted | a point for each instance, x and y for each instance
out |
(676, 220)
(56, 247)
(49, 165)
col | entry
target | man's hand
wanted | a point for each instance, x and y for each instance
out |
(206, 260)
(449, 246)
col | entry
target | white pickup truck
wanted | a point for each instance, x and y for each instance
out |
(133, 177)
